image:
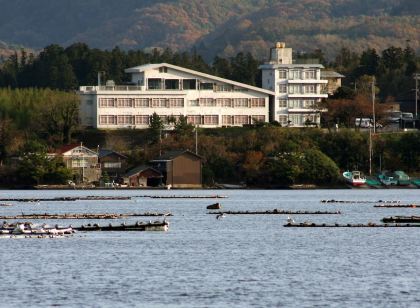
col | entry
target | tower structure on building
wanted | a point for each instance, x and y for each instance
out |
(298, 88)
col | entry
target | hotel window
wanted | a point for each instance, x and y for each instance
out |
(171, 84)
(194, 119)
(163, 69)
(257, 102)
(106, 102)
(211, 120)
(224, 102)
(295, 119)
(310, 88)
(295, 103)
(189, 84)
(154, 84)
(240, 102)
(125, 119)
(158, 102)
(124, 102)
(207, 102)
(141, 102)
(142, 120)
(258, 118)
(227, 120)
(206, 86)
(310, 74)
(295, 74)
(283, 120)
(295, 89)
(107, 119)
(282, 74)
(282, 103)
(241, 119)
(224, 88)
(176, 102)
(283, 88)
(309, 103)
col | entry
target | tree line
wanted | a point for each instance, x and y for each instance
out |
(60, 68)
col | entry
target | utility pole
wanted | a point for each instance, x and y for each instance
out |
(416, 77)
(370, 151)
(373, 104)
(196, 140)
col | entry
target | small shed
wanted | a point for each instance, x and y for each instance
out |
(143, 176)
(180, 169)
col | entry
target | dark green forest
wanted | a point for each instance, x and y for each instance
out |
(68, 68)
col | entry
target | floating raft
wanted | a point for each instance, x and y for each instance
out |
(84, 216)
(358, 201)
(369, 225)
(275, 212)
(68, 199)
(402, 219)
(398, 205)
(181, 197)
(138, 226)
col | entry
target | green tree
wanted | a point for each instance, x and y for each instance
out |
(155, 127)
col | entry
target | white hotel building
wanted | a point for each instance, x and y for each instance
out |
(297, 87)
(171, 91)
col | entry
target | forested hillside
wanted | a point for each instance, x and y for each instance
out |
(213, 27)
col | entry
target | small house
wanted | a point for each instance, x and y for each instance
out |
(112, 163)
(180, 169)
(82, 161)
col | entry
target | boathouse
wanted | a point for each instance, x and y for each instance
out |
(143, 176)
(180, 169)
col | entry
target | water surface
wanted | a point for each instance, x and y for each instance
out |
(240, 261)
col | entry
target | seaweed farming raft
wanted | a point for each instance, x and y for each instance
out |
(138, 226)
(359, 201)
(276, 212)
(85, 216)
(369, 225)
(402, 219)
(88, 198)
(181, 197)
(397, 206)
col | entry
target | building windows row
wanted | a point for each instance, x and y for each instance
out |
(298, 89)
(228, 102)
(296, 103)
(141, 102)
(297, 74)
(242, 119)
(191, 119)
(298, 119)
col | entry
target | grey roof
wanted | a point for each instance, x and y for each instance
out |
(146, 67)
(331, 74)
(139, 169)
(170, 155)
(106, 152)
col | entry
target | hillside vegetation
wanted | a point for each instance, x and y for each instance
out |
(213, 27)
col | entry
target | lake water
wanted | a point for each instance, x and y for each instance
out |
(240, 261)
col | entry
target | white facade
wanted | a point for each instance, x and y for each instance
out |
(171, 91)
(298, 88)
